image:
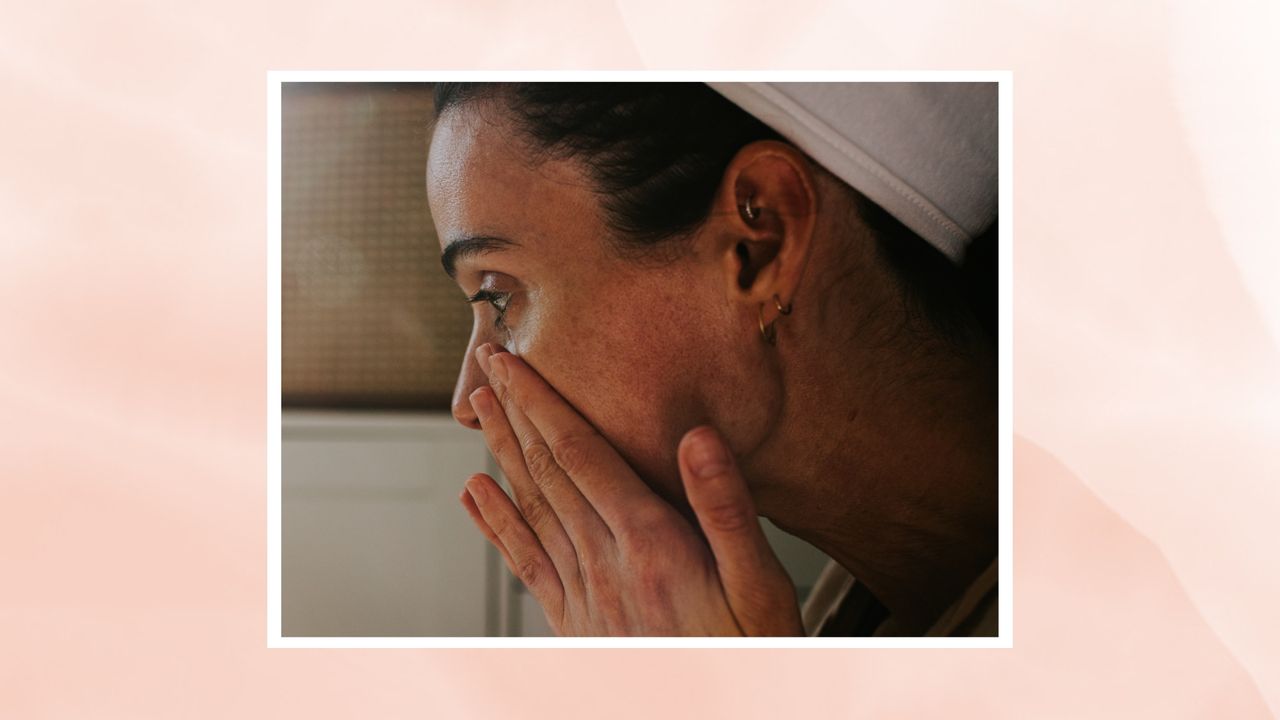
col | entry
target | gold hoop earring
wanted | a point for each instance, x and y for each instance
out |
(770, 332)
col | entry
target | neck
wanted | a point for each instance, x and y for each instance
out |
(910, 508)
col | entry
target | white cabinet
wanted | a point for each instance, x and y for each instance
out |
(373, 539)
(374, 542)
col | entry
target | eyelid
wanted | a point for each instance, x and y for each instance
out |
(499, 301)
(488, 295)
(484, 295)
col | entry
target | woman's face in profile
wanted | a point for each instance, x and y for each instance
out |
(636, 348)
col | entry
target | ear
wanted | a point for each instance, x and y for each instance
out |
(765, 255)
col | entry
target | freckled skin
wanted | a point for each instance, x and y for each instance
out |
(861, 431)
(642, 352)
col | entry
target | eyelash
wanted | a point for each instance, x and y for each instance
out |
(498, 300)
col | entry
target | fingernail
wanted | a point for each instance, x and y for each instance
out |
(708, 456)
(482, 404)
(499, 365)
(482, 357)
(473, 487)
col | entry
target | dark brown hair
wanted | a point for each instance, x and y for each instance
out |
(657, 153)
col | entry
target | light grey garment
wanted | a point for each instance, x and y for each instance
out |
(925, 152)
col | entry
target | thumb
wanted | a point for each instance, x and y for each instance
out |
(758, 589)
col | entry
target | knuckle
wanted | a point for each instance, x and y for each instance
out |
(529, 571)
(500, 448)
(728, 518)
(536, 511)
(573, 453)
(504, 397)
(500, 527)
(540, 461)
(511, 404)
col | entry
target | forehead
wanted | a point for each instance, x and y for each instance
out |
(482, 180)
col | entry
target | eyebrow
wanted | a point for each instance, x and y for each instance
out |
(467, 247)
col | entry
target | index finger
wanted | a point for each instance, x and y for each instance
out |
(605, 479)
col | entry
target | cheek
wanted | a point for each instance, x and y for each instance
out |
(625, 375)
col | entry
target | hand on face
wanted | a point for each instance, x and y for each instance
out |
(596, 547)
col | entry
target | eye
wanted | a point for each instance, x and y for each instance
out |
(499, 301)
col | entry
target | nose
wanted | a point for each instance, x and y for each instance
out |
(470, 377)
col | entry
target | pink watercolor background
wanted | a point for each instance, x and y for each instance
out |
(132, 359)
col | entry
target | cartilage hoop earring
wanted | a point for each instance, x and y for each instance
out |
(750, 212)
(777, 302)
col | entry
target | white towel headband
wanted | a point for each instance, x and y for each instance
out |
(925, 152)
